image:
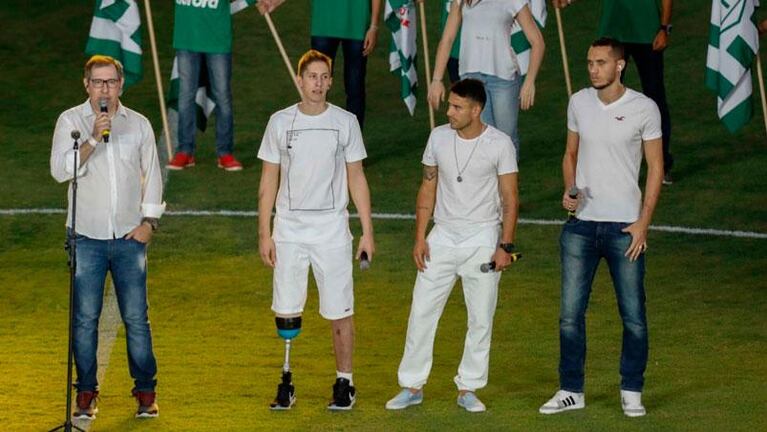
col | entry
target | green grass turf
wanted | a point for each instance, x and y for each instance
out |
(220, 358)
(214, 334)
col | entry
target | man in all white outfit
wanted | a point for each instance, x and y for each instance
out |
(470, 184)
(312, 156)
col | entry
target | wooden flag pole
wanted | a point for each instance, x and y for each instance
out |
(425, 40)
(564, 52)
(760, 77)
(284, 55)
(160, 93)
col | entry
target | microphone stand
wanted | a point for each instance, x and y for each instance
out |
(71, 247)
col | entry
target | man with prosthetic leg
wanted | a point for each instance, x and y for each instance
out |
(312, 156)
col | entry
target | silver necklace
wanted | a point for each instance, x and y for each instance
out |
(455, 153)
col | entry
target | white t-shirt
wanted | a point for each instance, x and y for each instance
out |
(486, 37)
(312, 152)
(467, 213)
(610, 152)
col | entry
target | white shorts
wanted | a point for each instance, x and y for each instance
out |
(332, 268)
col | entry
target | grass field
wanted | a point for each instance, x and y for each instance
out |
(219, 358)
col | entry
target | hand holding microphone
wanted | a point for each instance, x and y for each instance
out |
(488, 267)
(102, 126)
(364, 261)
(572, 204)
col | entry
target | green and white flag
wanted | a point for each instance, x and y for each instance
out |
(205, 102)
(400, 17)
(733, 41)
(116, 32)
(519, 43)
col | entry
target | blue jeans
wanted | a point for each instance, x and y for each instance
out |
(126, 261)
(218, 77)
(502, 106)
(355, 68)
(583, 244)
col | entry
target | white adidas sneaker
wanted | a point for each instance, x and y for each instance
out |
(563, 400)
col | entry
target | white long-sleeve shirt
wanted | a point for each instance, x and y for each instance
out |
(119, 183)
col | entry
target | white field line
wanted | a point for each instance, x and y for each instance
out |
(406, 216)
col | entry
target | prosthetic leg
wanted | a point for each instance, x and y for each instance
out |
(288, 329)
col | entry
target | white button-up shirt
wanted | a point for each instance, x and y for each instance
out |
(119, 183)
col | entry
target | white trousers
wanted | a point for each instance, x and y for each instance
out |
(432, 289)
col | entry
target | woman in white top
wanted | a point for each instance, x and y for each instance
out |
(486, 55)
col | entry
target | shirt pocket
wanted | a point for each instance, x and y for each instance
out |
(128, 147)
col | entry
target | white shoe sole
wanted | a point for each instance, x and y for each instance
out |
(277, 407)
(549, 411)
(634, 412)
(339, 408)
(147, 415)
(401, 407)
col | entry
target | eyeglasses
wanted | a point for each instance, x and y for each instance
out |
(99, 83)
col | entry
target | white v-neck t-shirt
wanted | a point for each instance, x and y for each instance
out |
(312, 151)
(610, 152)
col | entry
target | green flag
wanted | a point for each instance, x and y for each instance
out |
(400, 17)
(116, 32)
(519, 43)
(733, 42)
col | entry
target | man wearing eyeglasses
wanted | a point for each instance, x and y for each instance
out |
(119, 201)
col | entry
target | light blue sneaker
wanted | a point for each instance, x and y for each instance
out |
(404, 399)
(470, 402)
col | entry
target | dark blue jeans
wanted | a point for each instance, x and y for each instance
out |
(650, 67)
(355, 68)
(583, 244)
(219, 77)
(126, 261)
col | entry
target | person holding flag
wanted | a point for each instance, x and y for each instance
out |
(202, 37)
(486, 27)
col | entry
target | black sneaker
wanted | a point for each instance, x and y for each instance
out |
(667, 179)
(343, 395)
(286, 394)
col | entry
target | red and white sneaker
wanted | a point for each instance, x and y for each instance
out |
(180, 161)
(86, 408)
(229, 163)
(147, 406)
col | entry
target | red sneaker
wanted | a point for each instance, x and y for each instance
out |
(229, 163)
(180, 161)
(86, 405)
(147, 407)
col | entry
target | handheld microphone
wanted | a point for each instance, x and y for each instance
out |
(364, 261)
(573, 194)
(488, 267)
(105, 109)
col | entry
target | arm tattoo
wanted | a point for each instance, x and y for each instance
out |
(429, 173)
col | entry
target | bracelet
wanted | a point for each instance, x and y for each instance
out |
(373, 27)
(92, 141)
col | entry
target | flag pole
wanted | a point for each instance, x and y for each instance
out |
(284, 55)
(760, 77)
(425, 40)
(156, 63)
(564, 52)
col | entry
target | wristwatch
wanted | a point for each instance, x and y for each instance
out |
(507, 247)
(153, 222)
(666, 28)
